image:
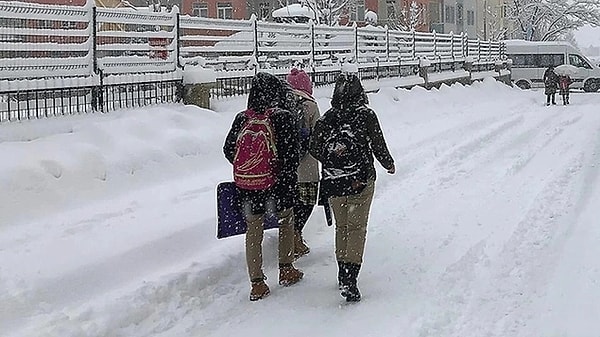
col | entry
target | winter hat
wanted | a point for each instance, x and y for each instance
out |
(348, 92)
(266, 92)
(300, 80)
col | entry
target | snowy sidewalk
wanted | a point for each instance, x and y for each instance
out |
(488, 227)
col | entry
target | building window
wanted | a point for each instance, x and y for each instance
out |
(360, 10)
(435, 13)
(460, 19)
(45, 24)
(264, 10)
(68, 25)
(471, 18)
(200, 9)
(357, 11)
(449, 14)
(391, 9)
(224, 10)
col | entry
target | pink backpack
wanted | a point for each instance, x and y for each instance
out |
(254, 162)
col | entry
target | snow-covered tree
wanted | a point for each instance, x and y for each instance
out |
(543, 20)
(327, 11)
(413, 15)
(494, 27)
(409, 17)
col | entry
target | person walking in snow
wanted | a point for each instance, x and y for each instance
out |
(564, 81)
(308, 170)
(272, 193)
(345, 140)
(550, 85)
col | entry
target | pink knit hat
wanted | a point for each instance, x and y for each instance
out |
(300, 80)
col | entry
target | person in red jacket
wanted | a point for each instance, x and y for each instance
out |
(564, 81)
(266, 95)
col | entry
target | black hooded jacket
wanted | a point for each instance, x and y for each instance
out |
(349, 106)
(267, 92)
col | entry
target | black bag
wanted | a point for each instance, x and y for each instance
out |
(344, 161)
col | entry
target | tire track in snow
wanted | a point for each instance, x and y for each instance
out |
(425, 158)
(524, 158)
(452, 162)
(526, 259)
(452, 292)
(457, 298)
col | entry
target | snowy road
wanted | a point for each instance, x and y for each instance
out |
(489, 228)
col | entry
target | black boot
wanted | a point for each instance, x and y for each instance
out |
(342, 274)
(350, 283)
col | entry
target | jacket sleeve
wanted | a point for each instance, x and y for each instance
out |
(313, 113)
(287, 144)
(316, 141)
(230, 140)
(378, 144)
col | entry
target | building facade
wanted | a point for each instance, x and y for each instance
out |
(457, 16)
(491, 20)
(404, 14)
(243, 9)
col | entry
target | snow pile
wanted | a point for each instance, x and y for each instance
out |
(197, 74)
(293, 10)
(349, 68)
(54, 162)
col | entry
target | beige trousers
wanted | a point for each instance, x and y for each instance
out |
(254, 239)
(351, 216)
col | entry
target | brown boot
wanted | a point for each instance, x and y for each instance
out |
(259, 290)
(300, 247)
(289, 275)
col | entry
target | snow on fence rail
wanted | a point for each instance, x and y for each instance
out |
(241, 44)
(53, 47)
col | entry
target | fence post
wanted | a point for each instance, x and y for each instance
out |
(355, 28)
(463, 47)
(387, 43)
(96, 89)
(452, 45)
(94, 41)
(255, 28)
(434, 43)
(414, 44)
(178, 37)
(311, 24)
(478, 49)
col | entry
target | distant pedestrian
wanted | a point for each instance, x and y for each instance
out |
(308, 170)
(345, 140)
(550, 85)
(262, 145)
(564, 81)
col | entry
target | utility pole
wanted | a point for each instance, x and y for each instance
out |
(485, 25)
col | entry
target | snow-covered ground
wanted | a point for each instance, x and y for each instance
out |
(489, 227)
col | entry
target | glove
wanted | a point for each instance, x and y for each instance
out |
(304, 133)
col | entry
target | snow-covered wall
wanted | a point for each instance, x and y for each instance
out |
(53, 41)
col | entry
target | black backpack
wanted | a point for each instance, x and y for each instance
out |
(345, 161)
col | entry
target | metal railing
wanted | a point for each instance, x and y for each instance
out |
(59, 60)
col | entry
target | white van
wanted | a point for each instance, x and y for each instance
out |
(531, 58)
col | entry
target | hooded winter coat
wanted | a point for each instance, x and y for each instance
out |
(267, 93)
(308, 171)
(349, 108)
(550, 81)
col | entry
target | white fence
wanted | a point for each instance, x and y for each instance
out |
(239, 45)
(124, 57)
(79, 44)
